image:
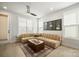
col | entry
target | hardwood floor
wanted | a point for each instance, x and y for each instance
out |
(11, 50)
(14, 50)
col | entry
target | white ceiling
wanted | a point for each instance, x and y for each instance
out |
(39, 8)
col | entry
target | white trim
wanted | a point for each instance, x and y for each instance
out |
(71, 25)
(8, 30)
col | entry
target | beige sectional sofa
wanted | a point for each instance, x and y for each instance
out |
(51, 40)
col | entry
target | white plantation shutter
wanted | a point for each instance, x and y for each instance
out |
(70, 25)
(22, 25)
(70, 19)
(29, 26)
(71, 31)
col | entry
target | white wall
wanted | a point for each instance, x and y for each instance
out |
(50, 17)
(73, 41)
(13, 23)
(57, 15)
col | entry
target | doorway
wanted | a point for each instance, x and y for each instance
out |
(3, 27)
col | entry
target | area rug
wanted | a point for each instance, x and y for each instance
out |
(29, 52)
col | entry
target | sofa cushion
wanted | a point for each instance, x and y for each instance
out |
(25, 35)
(26, 38)
(51, 36)
(46, 39)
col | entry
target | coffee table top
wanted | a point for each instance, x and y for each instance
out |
(36, 41)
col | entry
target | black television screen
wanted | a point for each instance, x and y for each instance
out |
(53, 25)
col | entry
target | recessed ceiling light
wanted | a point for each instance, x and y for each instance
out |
(51, 9)
(4, 7)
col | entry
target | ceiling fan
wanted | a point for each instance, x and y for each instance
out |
(28, 11)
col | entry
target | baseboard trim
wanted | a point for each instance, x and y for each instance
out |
(7, 41)
(70, 47)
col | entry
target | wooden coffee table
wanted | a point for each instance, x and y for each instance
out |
(36, 45)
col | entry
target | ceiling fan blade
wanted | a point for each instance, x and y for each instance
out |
(28, 8)
(33, 14)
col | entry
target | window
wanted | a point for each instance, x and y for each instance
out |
(22, 25)
(40, 26)
(71, 31)
(70, 25)
(70, 19)
(29, 26)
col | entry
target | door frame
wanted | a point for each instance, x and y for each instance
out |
(8, 24)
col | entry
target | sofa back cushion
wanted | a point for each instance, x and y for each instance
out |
(51, 36)
(25, 35)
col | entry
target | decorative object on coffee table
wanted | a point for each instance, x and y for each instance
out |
(36, 35)
(36, 45)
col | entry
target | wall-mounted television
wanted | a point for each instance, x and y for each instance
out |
(53, 25)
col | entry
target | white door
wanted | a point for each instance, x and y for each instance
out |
(3, 27)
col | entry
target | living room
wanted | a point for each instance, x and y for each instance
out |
(39, 29)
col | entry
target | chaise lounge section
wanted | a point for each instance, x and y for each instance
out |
(24, 37)
(51, 40)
